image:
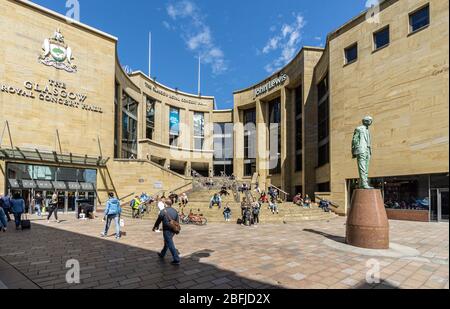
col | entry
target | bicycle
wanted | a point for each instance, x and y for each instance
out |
(199, 219)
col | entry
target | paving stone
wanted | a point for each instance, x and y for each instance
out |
(209, 263)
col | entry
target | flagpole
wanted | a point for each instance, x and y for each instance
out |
(150, 55)
(199, 75)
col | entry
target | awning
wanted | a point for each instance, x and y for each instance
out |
(36, 155)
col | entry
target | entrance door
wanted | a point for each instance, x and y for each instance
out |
(439, 205)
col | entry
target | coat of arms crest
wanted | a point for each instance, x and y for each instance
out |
(57, 53)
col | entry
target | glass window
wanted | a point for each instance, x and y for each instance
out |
(322, 88)
(129, 126)
(381, 38)
(323, 121)
(403, 192)
(174, 121)
(324, 187)
(419, 19)
(199, 130)
(298, 100)
(299, 134)
(275, 135)
(150, 118)
(324, 154)
(250, 142)
(351, 54)
(298, 162)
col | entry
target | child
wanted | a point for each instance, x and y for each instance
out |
(256, 210)
(227, 213)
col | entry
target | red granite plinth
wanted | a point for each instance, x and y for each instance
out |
(367, 222)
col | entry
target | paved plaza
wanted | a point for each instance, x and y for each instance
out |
(221, 256)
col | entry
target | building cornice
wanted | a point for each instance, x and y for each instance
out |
(64, 18)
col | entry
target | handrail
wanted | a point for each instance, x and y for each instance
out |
(279, 190)
(331, 203)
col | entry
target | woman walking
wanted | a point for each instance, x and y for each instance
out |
(53, 208)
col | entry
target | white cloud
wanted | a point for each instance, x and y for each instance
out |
(167, 25)
(287, 41)
(197, 34)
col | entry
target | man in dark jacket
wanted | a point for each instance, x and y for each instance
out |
(5, 203)
(164, 217)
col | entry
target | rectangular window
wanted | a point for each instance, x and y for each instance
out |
(299, 162)
(299, 134)
(324, 154)
(381, 38)
(199, 130)
(419, 19)
(351, 53)
(324, 187)
(129, 126)
(249, 142)
(174, 126)
(150, 113)
(275, 135)
(323, 121)
(298, 101)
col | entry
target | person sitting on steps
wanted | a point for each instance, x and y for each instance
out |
(216, 200)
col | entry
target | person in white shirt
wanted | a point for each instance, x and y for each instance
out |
(161, 206)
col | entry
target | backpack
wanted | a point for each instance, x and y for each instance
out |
(114, 207)
(132, 203)
(173, 225)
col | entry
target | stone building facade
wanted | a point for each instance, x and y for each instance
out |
(74, 121)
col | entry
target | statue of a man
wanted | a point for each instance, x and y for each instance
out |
(362, 150)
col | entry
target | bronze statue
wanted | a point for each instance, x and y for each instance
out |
(362, 150)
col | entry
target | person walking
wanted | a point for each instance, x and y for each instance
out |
(38, 205)
(3, 222)
(6, 204)
(18, 208)
(112, 212)
(53, 208)
(170, 221)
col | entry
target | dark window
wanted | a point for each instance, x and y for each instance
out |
(275, 132)
(324, 154)
(298, 162)
(351, 53)
(324, 187)
(419, 19)
(299, 134)
(322, 88)
(250, 168)
(116, 121)
(323, 121)
(150, 113)
(250, 142)
(381, 38)
(298, 100)
(299, 189)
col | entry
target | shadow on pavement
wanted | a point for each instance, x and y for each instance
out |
(331, 237)
(41, 254)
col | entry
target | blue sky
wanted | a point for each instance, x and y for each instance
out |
(240, 41)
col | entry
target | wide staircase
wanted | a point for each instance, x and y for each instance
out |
(199, 200)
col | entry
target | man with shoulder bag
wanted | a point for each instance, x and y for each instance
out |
(171, 227)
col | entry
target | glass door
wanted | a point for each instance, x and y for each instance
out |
(439, 205)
